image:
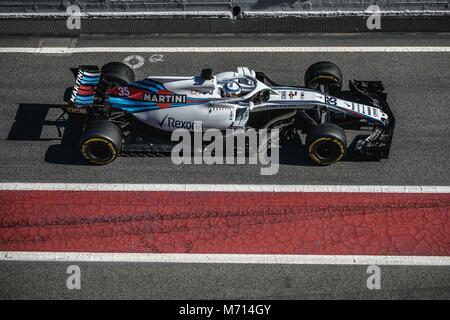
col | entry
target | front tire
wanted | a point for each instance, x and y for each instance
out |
(326, 143)
(326, 75)
(101, 142)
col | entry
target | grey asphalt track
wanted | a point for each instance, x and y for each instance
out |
(24, 280)
(417, 86)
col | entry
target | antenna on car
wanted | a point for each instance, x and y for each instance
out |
(206, 74)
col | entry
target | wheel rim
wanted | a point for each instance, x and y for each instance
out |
(327, 151)
(99, 150)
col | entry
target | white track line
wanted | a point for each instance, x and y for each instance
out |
(351, 13)
(224, 13)
(19, 186)
(222, 49)
(225, 258)
(155, 14)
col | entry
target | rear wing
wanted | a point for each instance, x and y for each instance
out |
(87, 80)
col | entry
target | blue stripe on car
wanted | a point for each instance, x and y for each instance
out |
(154, 83)
(89, 97)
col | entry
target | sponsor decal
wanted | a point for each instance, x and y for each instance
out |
(162, 121)
(85, 85)
(165, 98)
(73, 98)
(178, 124)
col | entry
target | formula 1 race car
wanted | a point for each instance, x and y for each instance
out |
(124, 116)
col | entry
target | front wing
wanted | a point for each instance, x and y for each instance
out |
(378, 144)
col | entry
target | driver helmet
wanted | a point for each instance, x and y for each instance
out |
(232, 89)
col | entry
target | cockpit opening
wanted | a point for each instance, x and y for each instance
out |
(231, 89)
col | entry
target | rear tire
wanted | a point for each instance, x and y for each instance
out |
(101, 142)
(326, 143)
(118, 72)
(324, 73)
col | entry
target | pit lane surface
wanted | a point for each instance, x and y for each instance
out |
(417, 86)
(417, 92)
